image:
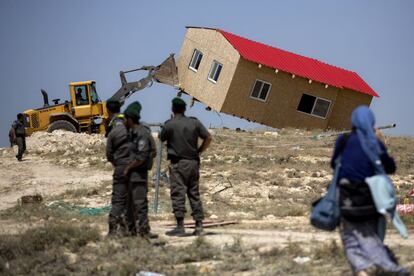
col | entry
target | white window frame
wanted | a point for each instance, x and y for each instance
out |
(314, 104)
(195, 52)
(211, 69)
(268, 92)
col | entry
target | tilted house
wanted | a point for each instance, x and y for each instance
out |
(267, 85)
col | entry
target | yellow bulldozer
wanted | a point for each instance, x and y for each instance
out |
(85, 112)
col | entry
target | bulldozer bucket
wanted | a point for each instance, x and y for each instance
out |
(166, 72)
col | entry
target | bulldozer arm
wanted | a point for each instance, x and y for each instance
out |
(165, 73)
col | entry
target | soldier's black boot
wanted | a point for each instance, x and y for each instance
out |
(198, 231)
(148, 235)
(178, 230)
(145, 232)
(112, 230)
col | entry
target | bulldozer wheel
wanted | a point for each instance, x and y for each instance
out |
(61, 124)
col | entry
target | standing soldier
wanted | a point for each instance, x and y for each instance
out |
(181, 134)
(142, 149)
(117, 152)
(18, 135)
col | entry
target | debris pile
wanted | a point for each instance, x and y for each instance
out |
(68, 148)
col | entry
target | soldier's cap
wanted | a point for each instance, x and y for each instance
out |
(178, 102)
(133, 110)
(113, 105)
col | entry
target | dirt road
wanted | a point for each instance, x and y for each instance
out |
(37, 175)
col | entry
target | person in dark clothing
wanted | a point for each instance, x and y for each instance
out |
(18, 135)
(118, 153)
(360, 151)
(141, 143)
(181, 134)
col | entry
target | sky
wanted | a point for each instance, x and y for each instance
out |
(47, 44)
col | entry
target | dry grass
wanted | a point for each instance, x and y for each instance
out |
(40, 250)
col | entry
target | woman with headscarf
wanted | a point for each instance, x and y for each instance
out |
(362, 227)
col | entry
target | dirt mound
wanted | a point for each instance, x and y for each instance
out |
(68, 148)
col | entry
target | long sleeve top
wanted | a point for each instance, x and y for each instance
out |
(355, 164)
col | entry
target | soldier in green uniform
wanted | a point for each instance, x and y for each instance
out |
(141, 143)
(18, 135)
(118, 153)
(182, 134)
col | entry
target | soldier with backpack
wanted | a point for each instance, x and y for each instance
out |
(142, 153)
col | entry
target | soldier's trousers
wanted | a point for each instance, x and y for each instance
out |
(139, 195)
(118, 214)
(21, 145)
(184, 178)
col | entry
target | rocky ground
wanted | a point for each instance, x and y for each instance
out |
(265, 181)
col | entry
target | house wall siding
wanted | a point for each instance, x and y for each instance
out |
(214, 47)
(346, 102)
(280, 109)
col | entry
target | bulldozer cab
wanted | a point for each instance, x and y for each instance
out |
(87, 107)
(85, 100)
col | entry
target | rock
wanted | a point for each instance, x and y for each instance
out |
(269, 217)
(266, 249)
(292, 174)
(89, 257)
(104, 266)
(92, 245)
(149, 273)
(70, 258)
(83, 165)
(115, 244)
(214, 217)
(316, 174)
(301, 260)
(29, 199)
(240, 214)
(205, 269)
(271, 133)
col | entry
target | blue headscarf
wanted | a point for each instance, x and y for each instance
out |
(363, 120)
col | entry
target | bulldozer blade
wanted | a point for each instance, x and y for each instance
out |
(167, 72)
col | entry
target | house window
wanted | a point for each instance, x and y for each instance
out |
(196, 60)
(215, 71)
(260, 90)
(313, 105)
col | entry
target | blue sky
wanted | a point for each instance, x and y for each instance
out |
(47, 44)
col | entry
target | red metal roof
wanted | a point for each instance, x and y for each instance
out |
(296, 64)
